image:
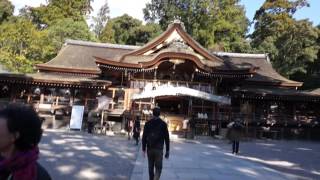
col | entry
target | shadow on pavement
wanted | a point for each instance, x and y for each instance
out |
(77, 155)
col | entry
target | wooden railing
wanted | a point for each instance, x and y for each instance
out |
(263, 118)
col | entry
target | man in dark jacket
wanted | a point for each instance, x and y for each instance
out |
(235, 134)
(155, 134)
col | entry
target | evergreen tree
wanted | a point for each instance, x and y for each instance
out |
(22, 45)
(312, 78)
(101, 19)
(291, 43)
(128, 30)
(37, 34)
(67, 28)
(46, 15)
(216, 24)
(6, 10)
(62, 19)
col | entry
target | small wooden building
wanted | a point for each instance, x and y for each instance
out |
(174, 72)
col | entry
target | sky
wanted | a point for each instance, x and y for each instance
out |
(134, 8)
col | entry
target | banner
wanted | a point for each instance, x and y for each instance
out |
(181, 91)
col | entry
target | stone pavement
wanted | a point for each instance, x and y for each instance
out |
(300, 159)
(78, 155)
(69, 155)
(190, 161)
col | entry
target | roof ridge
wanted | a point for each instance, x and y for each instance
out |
(97, 44)
(248, 55)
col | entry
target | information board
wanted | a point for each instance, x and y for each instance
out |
(76, 117)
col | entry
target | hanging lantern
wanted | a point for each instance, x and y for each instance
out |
(67, 92)
(99, 93)
(37, 91)
(5, 88)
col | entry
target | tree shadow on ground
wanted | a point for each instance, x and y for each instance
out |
(300, 159)
(77, 155)
(210, 161)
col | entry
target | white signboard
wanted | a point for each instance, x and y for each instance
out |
(76, 117)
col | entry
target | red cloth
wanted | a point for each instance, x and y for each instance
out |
(22, 166)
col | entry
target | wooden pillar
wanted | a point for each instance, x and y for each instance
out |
(218, 122)
(143, 74)
(155, 74)
(254, 118)
(128, 102)
(229, 113)
(101, 122)
(192, 77)
(113, 95)
(140, 105)
(294, 113)
(12, 95)
(125, 99)
(86, 99)
(190, 107)
(253, 111)
(213, 120)
(132, 109)
(29, 98)
(72, 97)
(152, 102)
(41, 98)
(57, 100)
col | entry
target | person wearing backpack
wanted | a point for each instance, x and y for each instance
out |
(136, 130)
(235, 134)
(155, 135)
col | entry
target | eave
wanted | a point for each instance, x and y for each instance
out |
(68, 70)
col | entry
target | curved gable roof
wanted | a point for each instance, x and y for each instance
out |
(175, 27)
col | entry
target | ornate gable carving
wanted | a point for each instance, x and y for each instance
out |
(174, 38)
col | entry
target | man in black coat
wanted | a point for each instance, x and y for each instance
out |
(155, 134)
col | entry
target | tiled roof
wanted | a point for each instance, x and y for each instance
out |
(265, 73)
(56, 79)
(96, 44)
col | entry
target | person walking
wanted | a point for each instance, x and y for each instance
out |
(92, 120)
(20, 134)
(129, 126)
(136, 130)
(155, 135)
(185, 126)
(192, 125)
(234, 134)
